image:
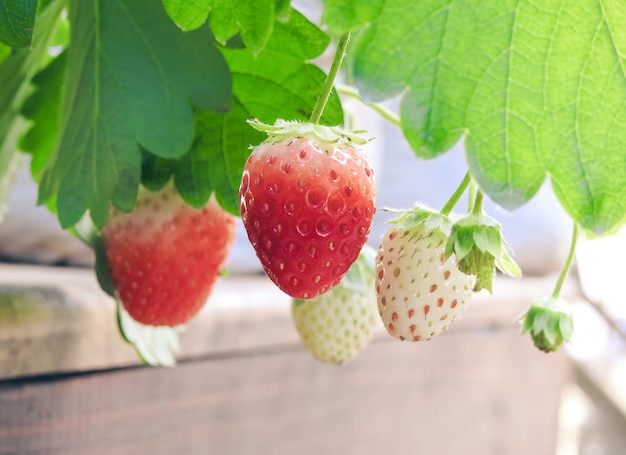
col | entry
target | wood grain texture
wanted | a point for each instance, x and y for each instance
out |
(483, 392)
(58, 320)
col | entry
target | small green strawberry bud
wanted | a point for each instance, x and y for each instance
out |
(478, 244)
(549, 321)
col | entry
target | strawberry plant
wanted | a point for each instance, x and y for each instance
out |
(111, 99)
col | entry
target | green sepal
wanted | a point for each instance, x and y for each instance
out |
(103, 273)
(421, 214)
(479, 247)
(86, 231)
(155, 345)
(549, 322)
(282, 129)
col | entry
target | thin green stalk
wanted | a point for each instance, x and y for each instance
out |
(320, 104)
(473, 190)
(382, 111)
(456, 195)
(568, 263)
(477, 208)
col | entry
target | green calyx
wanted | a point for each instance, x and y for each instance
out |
(550, 323)
(476, 241)
(283, 129)
(420, 214)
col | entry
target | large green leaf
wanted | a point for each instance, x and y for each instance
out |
(252, 19)
(17, 20)
(278, 83)
(536, 89)
(5, 51)
(44, 108)
(342, 16)
(188, 14)
(132, 80)
(16, 72)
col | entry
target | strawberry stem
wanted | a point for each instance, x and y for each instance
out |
(477, 208)
(568, 262)
(473, 189)
(457, 194)
(320, 104)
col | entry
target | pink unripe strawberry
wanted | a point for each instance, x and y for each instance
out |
(164, 256)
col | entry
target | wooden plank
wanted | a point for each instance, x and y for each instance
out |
(486, 392)
(55, 320)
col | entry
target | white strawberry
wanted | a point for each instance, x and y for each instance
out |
(339, 324)
(419, 291)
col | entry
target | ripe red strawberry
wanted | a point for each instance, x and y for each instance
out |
(419, 292)
(337, 326)
(165, 256)
(307, 202)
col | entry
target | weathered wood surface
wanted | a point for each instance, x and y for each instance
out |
(55, 320)
(69, 385)
(469, 392)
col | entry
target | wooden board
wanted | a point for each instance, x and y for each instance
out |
(58, 320)
(480, 391)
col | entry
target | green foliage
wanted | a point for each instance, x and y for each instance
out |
(138, 100)
(17, 20)
(277, 83)
(44, 106)
(252, 19)
(132, 79)
(536, 90)
(16, 70)
(5, 51)
(535, 94)
(343, 16)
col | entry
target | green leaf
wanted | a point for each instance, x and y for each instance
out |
(253, 20)
(215, 162)
(17, 21)
(342, 16)
(188, 14)
(16, 72)
(278, 83)
(155, 171)
(537, 91)
(44, 108)
(283, 10)
(133, 78)
(5, 51)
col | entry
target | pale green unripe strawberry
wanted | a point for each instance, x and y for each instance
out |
(420, 292)
(339, 324)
